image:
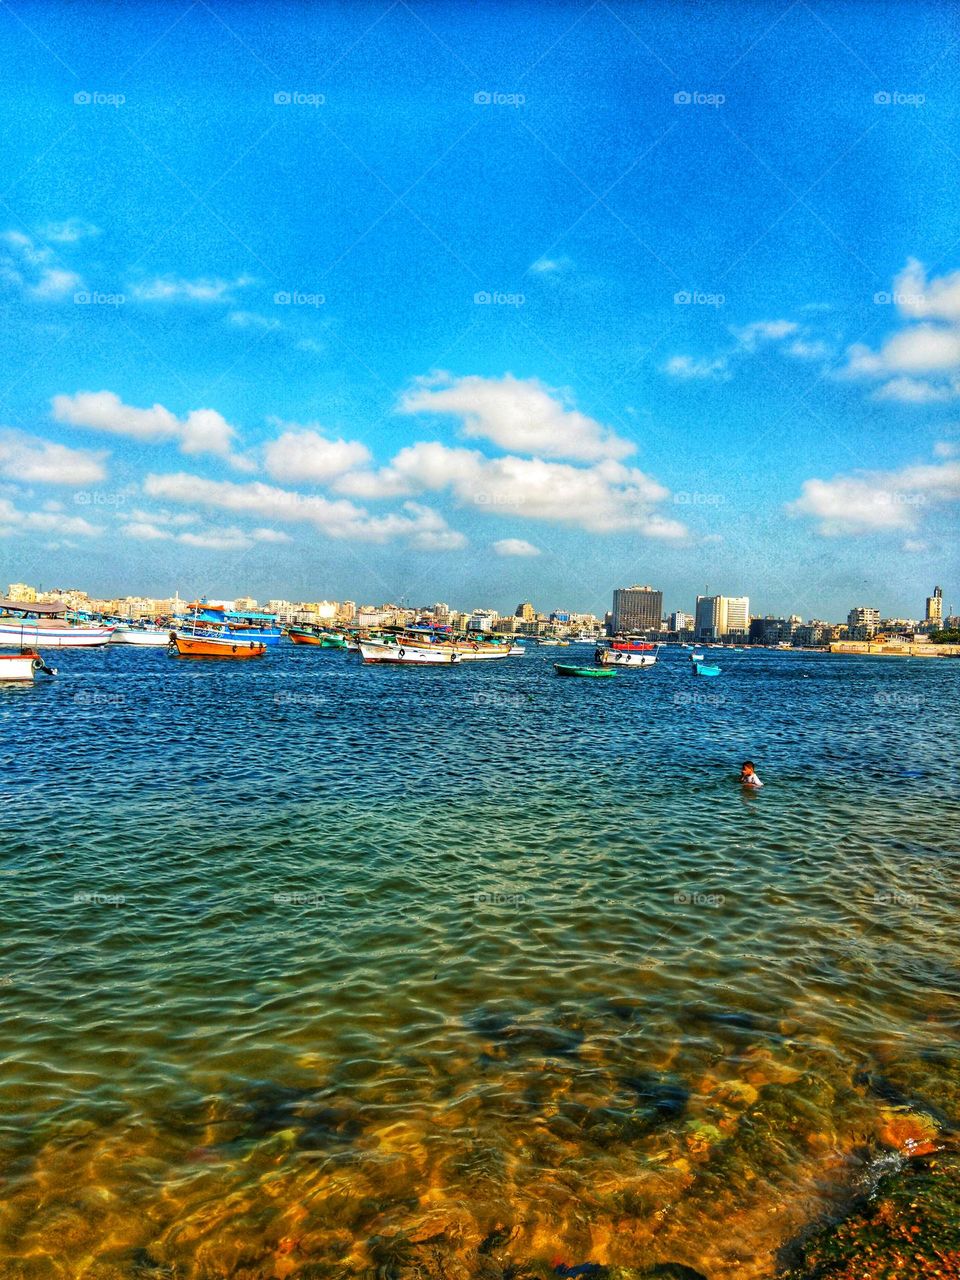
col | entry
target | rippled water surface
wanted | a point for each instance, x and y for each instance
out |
(318, 970)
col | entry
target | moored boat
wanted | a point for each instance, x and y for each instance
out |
(143, 637)
(408, 654)
(703, 669)
(186, 645)
(309, 634)
(22, 667)
(591, 673)
(610, 657)
(47, 625)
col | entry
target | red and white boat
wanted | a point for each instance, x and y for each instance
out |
(613, 657)
(46, 625)
(22, 667)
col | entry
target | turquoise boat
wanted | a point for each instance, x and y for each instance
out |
(592, 673)
(701, 669)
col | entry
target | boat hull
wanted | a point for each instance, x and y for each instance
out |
(701, 669)
(408, 654)
(19, 667)
(589, 673)
(624, 658)
(54, 637)
(141, 638)
(186, 646)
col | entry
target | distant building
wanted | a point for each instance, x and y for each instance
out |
(769, 631)
(934, 613)
(862, 622)
(719, 616)
(245, 604)
(526, 611)
(680, 621)
(21, 591)
(482, 619)
(636, 609)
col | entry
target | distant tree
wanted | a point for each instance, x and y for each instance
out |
(945, 637)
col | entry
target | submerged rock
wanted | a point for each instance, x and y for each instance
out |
(908, 1229)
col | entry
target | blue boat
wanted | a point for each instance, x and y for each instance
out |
(701, 669)
(245, 624)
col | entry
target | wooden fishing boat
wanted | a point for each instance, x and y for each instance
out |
(613, 657)
(143, 637)
(408, 654)
(311, 635)
(185, 645)
(22, 667)
(47, 625)
(592, 673)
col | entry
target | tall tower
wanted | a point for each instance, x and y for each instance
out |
(935, 606)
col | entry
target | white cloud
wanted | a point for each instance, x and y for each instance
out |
(34, 269)
(202, 431)
(518, 414)
(604, 498)
(54, 282)
(515, 547)
(146, 532)
(915, 546)
(251, 320)
(270, 535)
(687, 368)
(750, 336)
(946, 449)
(13, 521)
(877, 502)
(548, 266)
(419, 526)
(68, 231)
(177, 289)
(302, 453)
(31, 460)
(919, 298)
(916, 391)
(801, 349)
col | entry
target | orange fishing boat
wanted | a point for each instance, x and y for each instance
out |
(210, 646)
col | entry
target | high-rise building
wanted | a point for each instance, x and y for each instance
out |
(680, 621)
(935, 606)
(718, 616)
(862, 622)
(636, 609)
(768, 630)
(526, 611)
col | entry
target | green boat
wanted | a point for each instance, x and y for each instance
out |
(598, 673)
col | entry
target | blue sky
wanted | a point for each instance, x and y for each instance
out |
(482, 303)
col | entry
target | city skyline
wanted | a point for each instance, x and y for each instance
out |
(320, 325)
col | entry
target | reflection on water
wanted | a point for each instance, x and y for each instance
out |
(322, 971)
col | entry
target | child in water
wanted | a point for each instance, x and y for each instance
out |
(748, 775)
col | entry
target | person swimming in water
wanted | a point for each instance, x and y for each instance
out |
(748, 775)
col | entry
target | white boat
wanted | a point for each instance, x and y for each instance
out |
(625, 658)
(516, 651)
(408, 654)
(29, 625)
(145, 637)
(696, 657)
(22, 667)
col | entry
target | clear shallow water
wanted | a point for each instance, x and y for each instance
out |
(320, 970)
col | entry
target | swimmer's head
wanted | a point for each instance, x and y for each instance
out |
(747, 767)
